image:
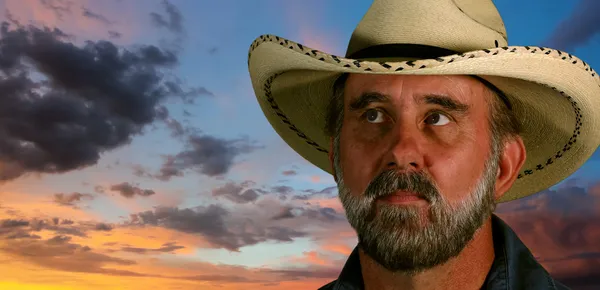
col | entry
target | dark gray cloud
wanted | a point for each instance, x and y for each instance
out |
(114, 34)
(313, 214)
(187, 95)
(21, 228)
(92, 15)
(11, 223)
(129, 191)
(63, 229)
(569, 199)
(103, 227)
(59, 253)
(66, 222)
(165, 248)
(90, 99)
(177, 129)
(19, 234)
(311, 193)
(71, 199)
(59, 7)
(214, 223)
(173, 20)
(323, 214)
(206, 155)
(282, 189)
(236, 192)
(578, 28)
(285, 213)
(289, 172)
(297, 274)
(99, 189)
(563, 223)
(141, 171)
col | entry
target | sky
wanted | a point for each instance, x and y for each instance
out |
(133, 153)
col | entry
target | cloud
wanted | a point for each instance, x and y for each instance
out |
(129, 191)
(289, 172)
(282, 189)
(235, 192)
(207, 155)
(71, 199)
(578, 28)
(172, 22)
(562, 229)
(99, 189)
(250, 219)
(76, 103)
(103, 227)
(59, 253)
(59, 7)
(327, 192)
(165, 248)
(177, 129)
(188, 96)
(92, 15)
(23, 228)
(114, 34)
(217, 225)
(284, 213)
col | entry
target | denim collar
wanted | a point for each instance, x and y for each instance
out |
(513, 268)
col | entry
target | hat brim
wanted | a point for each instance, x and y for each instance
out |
(554, 94)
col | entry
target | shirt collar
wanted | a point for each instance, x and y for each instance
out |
(514, 267)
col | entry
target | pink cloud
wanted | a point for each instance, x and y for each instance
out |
(84, 19)
(305, 21)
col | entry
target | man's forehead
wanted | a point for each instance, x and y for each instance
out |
(455, 86)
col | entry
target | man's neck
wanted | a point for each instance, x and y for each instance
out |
(466, 271)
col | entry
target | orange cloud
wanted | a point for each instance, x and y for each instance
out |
(24, 205)
(342, 249)
(311, 258)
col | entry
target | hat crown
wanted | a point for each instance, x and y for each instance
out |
(455, 25)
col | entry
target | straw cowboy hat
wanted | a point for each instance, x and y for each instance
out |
(554, 94)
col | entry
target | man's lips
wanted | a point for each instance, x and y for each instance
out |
(401, 197)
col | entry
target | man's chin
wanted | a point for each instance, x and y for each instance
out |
(407, 263)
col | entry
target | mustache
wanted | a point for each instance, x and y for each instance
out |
(390, 181)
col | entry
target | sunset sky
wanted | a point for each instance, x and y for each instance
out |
(144, 160)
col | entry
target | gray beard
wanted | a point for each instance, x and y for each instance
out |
(410, 240)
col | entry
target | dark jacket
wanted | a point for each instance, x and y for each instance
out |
(514, 267)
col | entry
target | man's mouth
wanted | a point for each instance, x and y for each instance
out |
(402, 197)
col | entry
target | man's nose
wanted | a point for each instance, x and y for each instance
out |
(405, 152)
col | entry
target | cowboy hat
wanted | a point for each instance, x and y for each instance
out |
(555, 95)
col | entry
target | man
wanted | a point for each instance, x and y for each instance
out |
(426, 124)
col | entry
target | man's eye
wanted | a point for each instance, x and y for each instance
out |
(437, 119)
(374, 116)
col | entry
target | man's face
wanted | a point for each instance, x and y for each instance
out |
(415, 166)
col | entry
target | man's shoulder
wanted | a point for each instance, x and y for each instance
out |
(329, 286)
(560, 286)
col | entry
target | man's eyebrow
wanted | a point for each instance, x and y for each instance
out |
(367, 98)
(446, 102)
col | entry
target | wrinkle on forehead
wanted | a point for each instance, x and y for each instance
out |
(458, 86)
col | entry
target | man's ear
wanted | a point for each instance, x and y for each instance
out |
(330, 153)
(511, 162)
